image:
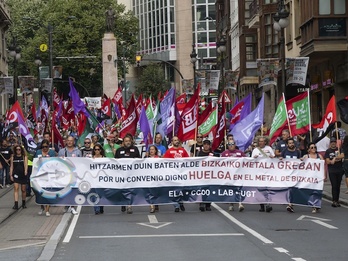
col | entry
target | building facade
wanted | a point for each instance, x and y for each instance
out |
(4, 23)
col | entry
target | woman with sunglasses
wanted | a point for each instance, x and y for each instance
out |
(18, 174)
(45, 152)
(313, 154)
(153, 153)
(98, 152)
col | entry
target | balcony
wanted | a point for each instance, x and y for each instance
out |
(254, 21)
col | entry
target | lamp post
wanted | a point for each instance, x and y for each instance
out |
(280, 22)
(193, 57)
(15, 52)
(221, 49)
(38, 62)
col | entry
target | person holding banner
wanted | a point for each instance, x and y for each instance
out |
(45, 152)
(263, 150)
(314, 154)
(153, 153)
(70, 151)
(98, 152)
(290, 152)
(128, 151)
(176, 151)
(232, 151)
(333, 158)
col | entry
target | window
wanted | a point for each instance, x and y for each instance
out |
(324, 7)
(332, 7)
(339, 6)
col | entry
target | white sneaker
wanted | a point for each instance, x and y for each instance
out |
(1, 186)
(48, 214)
(230, 208)
(73, 211)
(40, 212)
(8, 185)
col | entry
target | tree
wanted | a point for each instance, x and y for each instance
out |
(152, 81)
(77, 29)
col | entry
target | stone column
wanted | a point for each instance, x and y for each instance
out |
(110, 79)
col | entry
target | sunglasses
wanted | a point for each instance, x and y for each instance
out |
(230, 144)
(313, 147)
(96, 149)
(200, 137)
(87, 143)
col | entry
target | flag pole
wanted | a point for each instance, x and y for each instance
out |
(287, 116)
(310, 119)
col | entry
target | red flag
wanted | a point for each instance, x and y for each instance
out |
(56, 98)
(329, 117)
(205, 113)
(139, 105)
(57, 136)
(33, 112)
(181, 99)
(189, 118)
(106, 108)
(117, 96)
(220, 128)
(129, 123)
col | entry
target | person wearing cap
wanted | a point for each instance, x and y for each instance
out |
(205, 152)
(333, 158)
(232, 151)
(110, 147)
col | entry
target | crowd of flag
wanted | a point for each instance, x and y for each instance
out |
(171, 115)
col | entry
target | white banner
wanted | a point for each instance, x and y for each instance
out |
(296, 70)
(140, 173)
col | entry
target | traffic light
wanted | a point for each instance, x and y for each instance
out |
(138, 60)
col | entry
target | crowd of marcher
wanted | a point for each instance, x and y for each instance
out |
(16, 163)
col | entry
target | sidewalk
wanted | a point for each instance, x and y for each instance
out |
(26, 228)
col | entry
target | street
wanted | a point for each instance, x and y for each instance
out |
(215, 235)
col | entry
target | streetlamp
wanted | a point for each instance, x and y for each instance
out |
(221, 49)
(193, 56)
(15, 52)
(280, 22)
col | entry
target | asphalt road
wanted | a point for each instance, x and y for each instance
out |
(216, 235)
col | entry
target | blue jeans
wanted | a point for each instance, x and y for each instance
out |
(5, 175)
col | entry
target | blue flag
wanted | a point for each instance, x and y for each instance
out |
(245, 130)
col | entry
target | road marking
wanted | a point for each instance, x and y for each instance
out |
(72, 226)
(165, 235)
(317, 220)
(154, 222)
(281, 250)
(241, 225)
(298, 259)
(23, 246)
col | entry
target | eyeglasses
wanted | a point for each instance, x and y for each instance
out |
(230, 144)
(87, 143)
(44, 147)
(96, 149)
(199, 137)
(313, 147)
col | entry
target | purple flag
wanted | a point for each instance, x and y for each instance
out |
(167, 106)
(240, 110)
(117, 111)
(244, 131)
(78, 105)
(28, 140)
(145, 127)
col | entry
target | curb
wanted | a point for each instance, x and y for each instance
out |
(51, 246)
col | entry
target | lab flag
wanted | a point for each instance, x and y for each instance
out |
(279, 121)
(209, 123)
(245, 130)
(299, 114)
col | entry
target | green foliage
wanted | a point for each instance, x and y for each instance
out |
(152, 81)
(77, 30)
